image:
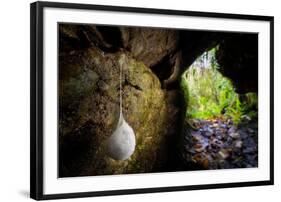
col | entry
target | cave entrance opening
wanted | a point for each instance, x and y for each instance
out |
(208, 94)
(220, 125)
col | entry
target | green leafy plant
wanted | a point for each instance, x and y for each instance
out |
(210, 95)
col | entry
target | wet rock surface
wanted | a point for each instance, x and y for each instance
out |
(220, 144)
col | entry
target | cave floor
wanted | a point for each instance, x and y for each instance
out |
(221, 144)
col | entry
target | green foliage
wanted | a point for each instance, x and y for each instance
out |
(210, 95)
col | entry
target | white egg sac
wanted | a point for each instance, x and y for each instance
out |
(121, 144)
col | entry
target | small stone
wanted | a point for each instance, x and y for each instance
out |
(198, 148)
(207, 134)
(238, 144)
(210, 130)
(215, 125)
(197, 158)
(219, 137)
(234, 135)
(205, 163)
(223, 154)
(223, 125)
(232, 129)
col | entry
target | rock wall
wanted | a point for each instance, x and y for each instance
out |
(89, 111)
(238, 60)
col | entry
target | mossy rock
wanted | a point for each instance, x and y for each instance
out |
(89, 111)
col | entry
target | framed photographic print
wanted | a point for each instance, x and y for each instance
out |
(135, 100)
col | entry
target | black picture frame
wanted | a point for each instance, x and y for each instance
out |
(37, 99)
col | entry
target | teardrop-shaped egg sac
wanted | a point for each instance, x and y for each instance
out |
(121, 144)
